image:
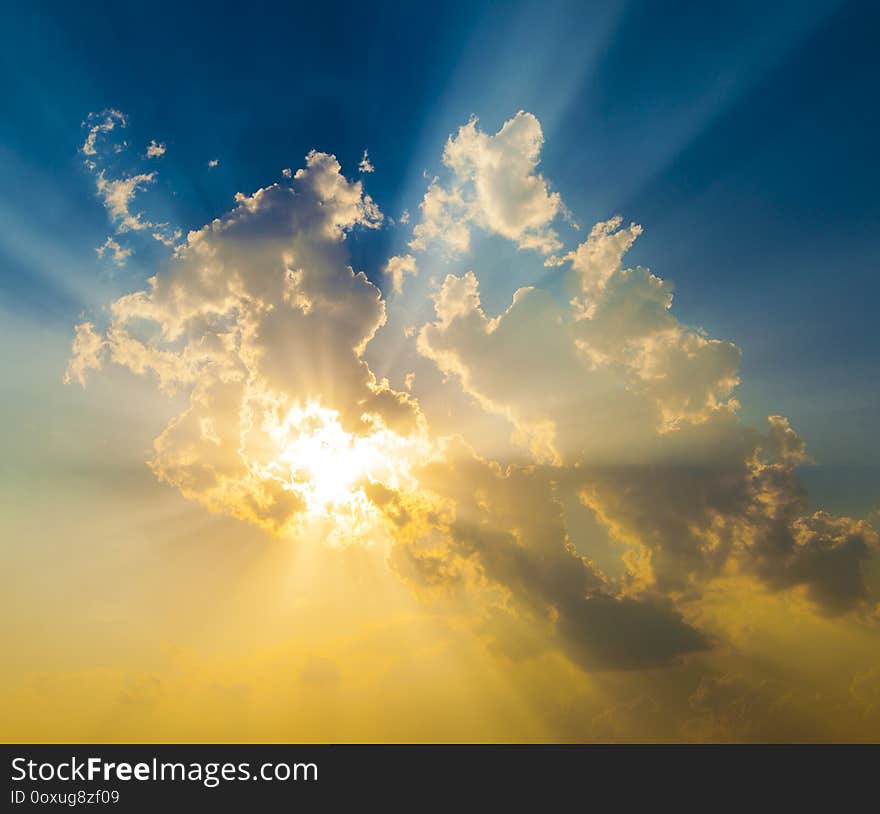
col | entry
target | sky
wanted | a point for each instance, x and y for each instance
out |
(486, 371)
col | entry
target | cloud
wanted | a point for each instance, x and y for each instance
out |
(117, 188)
(365, 164)
(213, 162)
(287, 172)
(622, 359)
(584, 422)
(495, 185)
(639, 410)
(398, 267)
(596, 259)
(87, 354)
(481, 522)
(261, 319)
(445, 220)
(155, 150)
(716, 498)
(168, 237)
(117, 195)
(119, 254)
(99, 123)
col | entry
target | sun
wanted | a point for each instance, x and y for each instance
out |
(329, 467)
(326, 463)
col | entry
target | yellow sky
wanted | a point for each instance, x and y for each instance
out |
(163, 623)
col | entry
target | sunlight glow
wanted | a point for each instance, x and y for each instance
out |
(329, 467)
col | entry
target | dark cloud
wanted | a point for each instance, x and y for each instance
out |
(509, 525)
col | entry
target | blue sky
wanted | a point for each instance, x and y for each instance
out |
(743, 139)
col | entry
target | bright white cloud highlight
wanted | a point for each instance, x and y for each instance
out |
(496, 186)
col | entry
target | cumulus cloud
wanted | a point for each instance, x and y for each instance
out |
(620, 426)
(263, 321)
(87, 353)
(365, 164)
(617, 357)
(119, 254)
(638, 410)
(495, 185)
(118, 188)
(155, 150)
(118, 194)
(213, 162)
(398, 267)
(99, 123)
(737, 503)
(169, 238)
(475, 521)
(445, 220)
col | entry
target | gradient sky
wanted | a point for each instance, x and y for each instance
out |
(748, 129)
(743, 139)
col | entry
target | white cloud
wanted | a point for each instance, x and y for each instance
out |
(495, 185)
(287, 173)
(638, 410)
(98, 123)
(154, 150)
(615, 351)
(168, 238)
(598, 257)
(399, 266)
(116, 189)
(117, 195)
(609, 406)
(213, 162)
(445, 220)
(246, 307)
(366, 165)
(87, 353)
(119, 254)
